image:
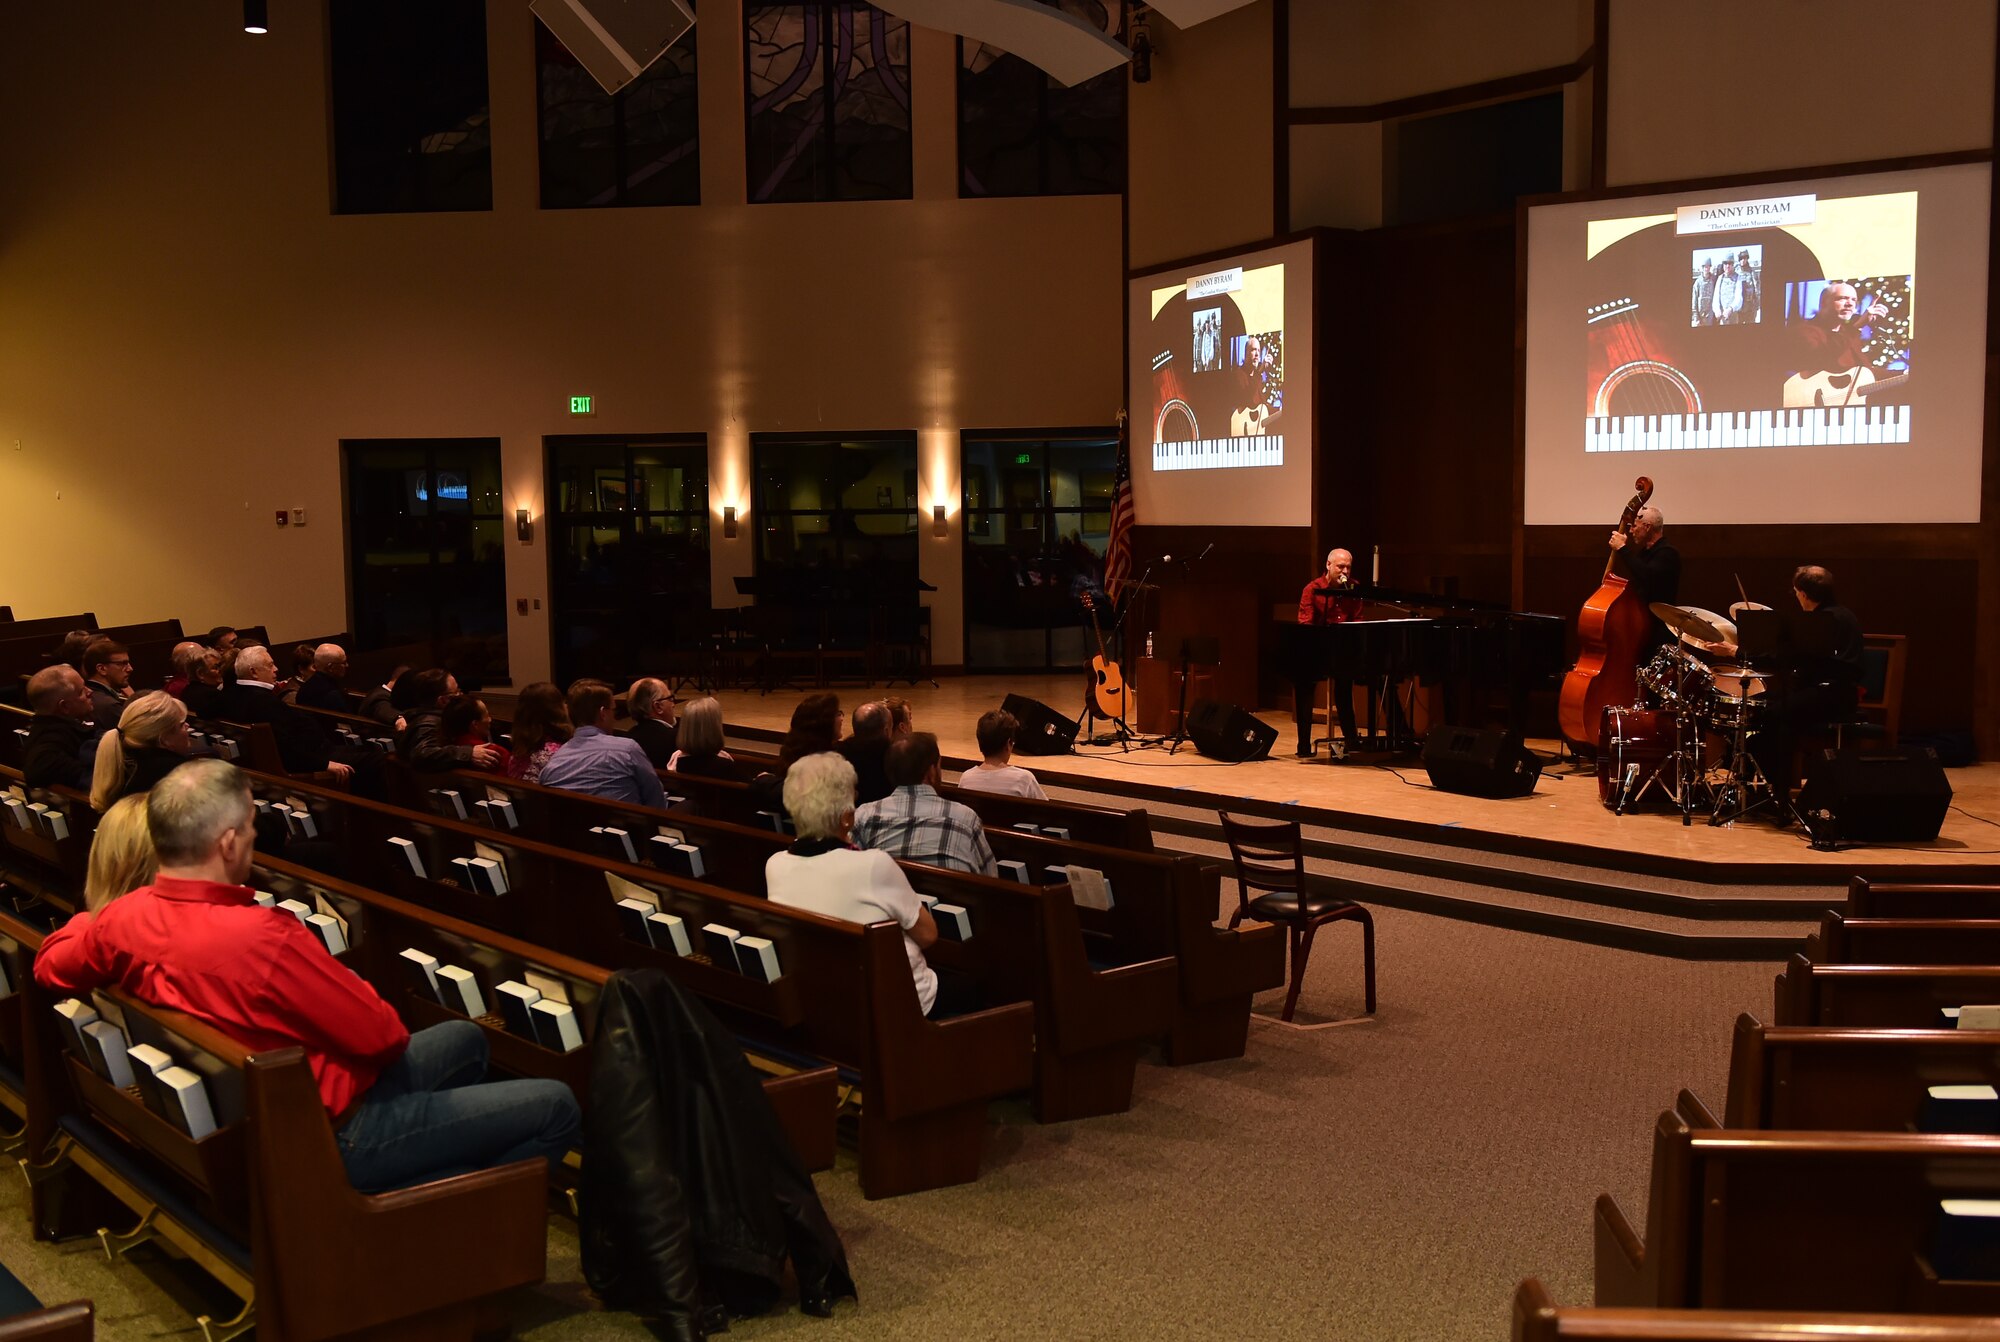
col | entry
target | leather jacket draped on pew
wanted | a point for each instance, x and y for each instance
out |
(692, 1196)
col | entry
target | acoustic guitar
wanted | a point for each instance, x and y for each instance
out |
(1107, 682)
(1830, 388)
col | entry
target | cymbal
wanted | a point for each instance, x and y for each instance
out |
(1737, 606)
(1693, 624)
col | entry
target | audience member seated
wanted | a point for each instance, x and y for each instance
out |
(420, 698)
(655, 720)
(121, 853)
(107, 670)
(917, 825)
(596, 759)
(541, 725)
(996, 771)
(815, 728)
(60, 736)
(69, 652)
(823, 873)
(379, 703)
(867, 748)
(303, 744)
(222, 638)
(302, 671)
(904, 722)
(406, 1108)
(182, 660)
(150, 742)
(467, 723)
(324, 687)
(203, 693)
(701, 752)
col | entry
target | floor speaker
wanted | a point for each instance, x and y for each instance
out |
(1225, 732)
(1043, 730)
(1479, 762)
(1898, 797)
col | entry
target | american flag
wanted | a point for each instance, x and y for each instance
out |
(1118, 554)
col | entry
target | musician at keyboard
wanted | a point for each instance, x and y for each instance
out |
(1650, 564)
(1324, 602)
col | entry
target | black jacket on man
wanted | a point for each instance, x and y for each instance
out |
(60, 750)
(302, 744)
(657, 739)
(322, 691)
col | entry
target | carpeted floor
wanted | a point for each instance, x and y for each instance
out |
(1387, 1179)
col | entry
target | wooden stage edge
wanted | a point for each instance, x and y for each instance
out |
(1562, 822)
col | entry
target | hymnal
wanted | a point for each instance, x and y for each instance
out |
(328, 931)
(104, 1048)
(460, 990)
(517, 1001)
(555, 1026)
(449, 803)
(1960, 1109)
(422, 968)
(17, 810)
(147, 1064)
(55, 824)
(410, 855)
(1026, 827)
(76, 1014)
(928, 901)
(482, 875)
(953, 922)
(6, 980)
(1967, 1246)
(682, 859)
(187, 1102)
(720, 943)
(632, 916)
(674, 799)
(1979, 1018)
(669, 932)
(617, 843)
(1015, 870)
(299, 909)
(772, 820)
(758, 958)
(225, 746)
(1057, 832)
(1089, 887)
(264, 899)
(499, 813)
(301, 824)
(1055, 874)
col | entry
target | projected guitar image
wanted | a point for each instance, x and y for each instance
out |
(1640, 381)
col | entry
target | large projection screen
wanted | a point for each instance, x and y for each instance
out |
(1800, 351)
(1220, 387)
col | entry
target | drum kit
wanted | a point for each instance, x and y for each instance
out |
(1688, 738)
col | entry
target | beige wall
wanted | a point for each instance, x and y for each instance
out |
(186, 333)
(1353, 53)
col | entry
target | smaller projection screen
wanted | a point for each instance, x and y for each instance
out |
(1800, 351)
(1219, 380)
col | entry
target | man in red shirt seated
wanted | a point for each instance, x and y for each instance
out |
(406, 1108)
(1324, 601)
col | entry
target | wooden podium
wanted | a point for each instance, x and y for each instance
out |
(1225, 611)
(1158, 689)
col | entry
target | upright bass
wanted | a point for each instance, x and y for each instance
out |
(1611, 629)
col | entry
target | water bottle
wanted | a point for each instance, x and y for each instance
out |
(1149, 643)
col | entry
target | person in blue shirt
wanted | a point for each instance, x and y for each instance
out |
(598, 761)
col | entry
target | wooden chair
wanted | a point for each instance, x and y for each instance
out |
(1537, 1318)
(1883, 659)
(1270, 856)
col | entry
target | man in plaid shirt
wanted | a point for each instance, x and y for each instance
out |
(914, 823)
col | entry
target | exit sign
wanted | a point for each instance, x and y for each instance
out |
(582, 405)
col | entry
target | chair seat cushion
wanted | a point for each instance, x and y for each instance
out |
(1283, 907)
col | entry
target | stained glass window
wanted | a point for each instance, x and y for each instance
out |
(639, 146)
(1020, 133)
(410, 109)
(828, 83)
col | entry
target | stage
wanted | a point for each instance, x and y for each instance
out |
(1563, 820)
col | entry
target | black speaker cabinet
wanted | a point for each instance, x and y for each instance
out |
(1225, 732)
(1043, 730)
(1479, 762)
(1899, 797)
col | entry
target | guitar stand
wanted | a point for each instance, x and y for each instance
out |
(1121, 733)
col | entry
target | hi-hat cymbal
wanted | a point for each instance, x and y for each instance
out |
(1692, 623)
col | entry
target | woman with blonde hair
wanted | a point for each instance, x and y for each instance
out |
(700, 738)
(121, 854)
(151, 740)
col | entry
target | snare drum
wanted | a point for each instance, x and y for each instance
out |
(1737, 699)
(1628, 738)
(1673, 679)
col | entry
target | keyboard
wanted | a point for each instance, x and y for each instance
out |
(1748, 428)
(1264, 449)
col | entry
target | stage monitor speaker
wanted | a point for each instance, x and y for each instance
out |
(1479, 762)
(1043, 730)
(1225, 732)
(1899, 797)
(614, 39)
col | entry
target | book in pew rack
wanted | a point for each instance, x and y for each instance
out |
(408, 849)
(555, 1025)
(517, 1003)
(186, 1100)
(460, 990)
(422, 968)
(720, 942)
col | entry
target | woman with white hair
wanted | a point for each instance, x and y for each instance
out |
(824, 873)
(150, 743)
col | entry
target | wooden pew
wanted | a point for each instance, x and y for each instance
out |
(380, 927)
(1103, 825)
(257, 749)
(1837, 1079)
(44, 865)
(845, 996)
(1874, 899)
(1537, 1318)
(1787, 1220)
(1894, 996)
(1093, 1011)
(48, 627)
(1904, 941)
(74, 1322)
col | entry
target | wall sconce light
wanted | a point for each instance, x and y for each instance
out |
(938, 528)
(524, 525)
(729, 523)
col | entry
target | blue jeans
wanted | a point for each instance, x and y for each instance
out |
(431, 1114)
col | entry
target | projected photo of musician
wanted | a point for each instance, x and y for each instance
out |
(1850, 339)
(1260, 361)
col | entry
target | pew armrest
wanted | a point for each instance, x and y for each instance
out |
(74, 1322)
(1620, 1257)
(961, 1060)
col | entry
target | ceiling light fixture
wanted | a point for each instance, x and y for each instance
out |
(256, 16)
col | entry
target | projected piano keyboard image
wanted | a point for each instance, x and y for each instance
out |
(1211, 453)
(1748, 428)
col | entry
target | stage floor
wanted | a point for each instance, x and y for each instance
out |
(1397, 797)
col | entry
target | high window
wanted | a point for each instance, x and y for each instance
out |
(639, 146)
(410, 109)
(1020, 133)
(828, 83)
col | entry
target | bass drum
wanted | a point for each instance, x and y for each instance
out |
(1632, 739)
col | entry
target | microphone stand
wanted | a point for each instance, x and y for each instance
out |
(1180, 736)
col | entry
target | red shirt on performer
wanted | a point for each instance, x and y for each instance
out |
(1321, 602)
